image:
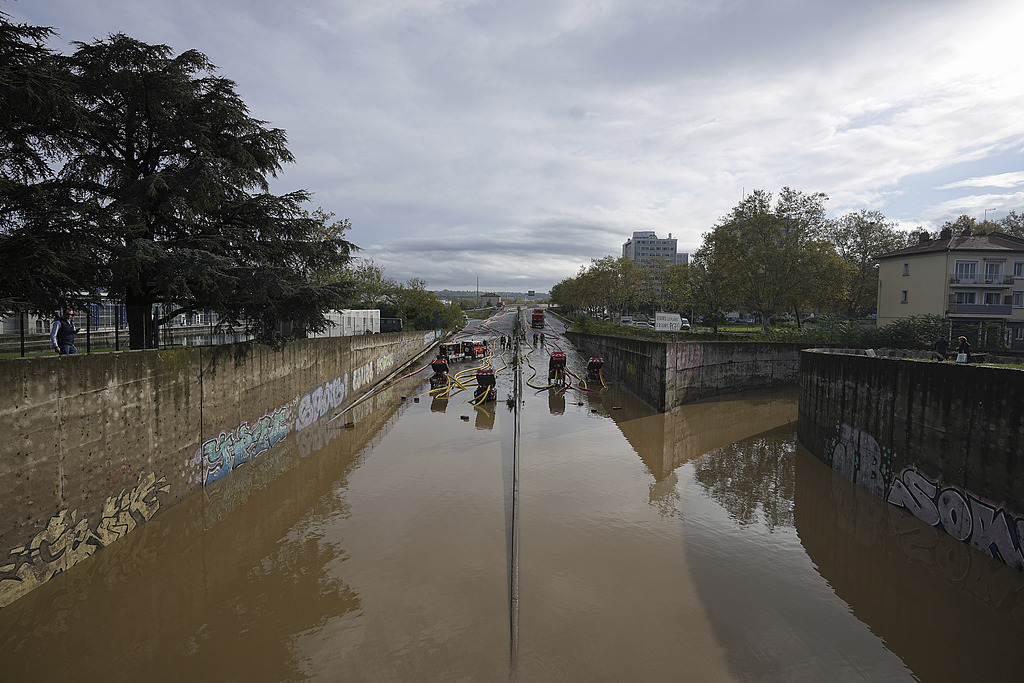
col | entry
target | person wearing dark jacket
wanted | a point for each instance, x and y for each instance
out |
(62, 334)
(941, 347)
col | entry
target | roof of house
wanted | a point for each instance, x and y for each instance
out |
(992, 241)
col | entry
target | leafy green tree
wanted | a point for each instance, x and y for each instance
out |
(370, 285)
(768, 251)
(419, 308)
(711, 292)
(963, 223)
(1012, 224)
(677, 288)
(36, 108)
(166, 181)
(325, 228)
(859, 238)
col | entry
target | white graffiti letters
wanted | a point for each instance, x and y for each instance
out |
(991, 529)
(318, 402)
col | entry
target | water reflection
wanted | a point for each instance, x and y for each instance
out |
(775, 615)
(950, 611)
(214, 588)
(556, 401)
(752, 480)
(485, 416)
(664, 441)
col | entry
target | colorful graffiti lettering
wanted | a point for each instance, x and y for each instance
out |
(318, 402)
(385, 362)
(228, 450)
(67, 540)
(362, 376)
(990, 528)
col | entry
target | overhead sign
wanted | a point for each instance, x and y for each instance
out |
(667, 322)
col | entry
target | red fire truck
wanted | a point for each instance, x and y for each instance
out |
(537, 319)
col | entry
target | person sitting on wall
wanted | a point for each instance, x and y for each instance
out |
(62, 334)
(941, 347)
(963, 351)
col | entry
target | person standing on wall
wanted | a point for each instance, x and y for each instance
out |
(62, 334)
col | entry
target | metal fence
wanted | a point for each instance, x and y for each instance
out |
(103, 327)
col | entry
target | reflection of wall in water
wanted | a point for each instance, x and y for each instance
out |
(914, 586)
(199, 550)
(664, 441)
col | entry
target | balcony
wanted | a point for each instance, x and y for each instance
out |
(985, 310)
(982, 280)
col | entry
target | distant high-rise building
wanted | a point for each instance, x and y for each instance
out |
(645, 246)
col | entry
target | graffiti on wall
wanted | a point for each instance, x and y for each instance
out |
(385, 362)
(991, 528)
(67, 540)
(229, 449)
(362, 375)
(315, 404)
(856, 455)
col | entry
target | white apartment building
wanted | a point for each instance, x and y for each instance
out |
(645, 246)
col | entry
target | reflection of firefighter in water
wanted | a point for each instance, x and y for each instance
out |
(556, 401)
(484, 418)
(594, 366)
(440, 377)
(485, 386)
(556, 367)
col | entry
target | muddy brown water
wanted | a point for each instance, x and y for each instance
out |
(702, 544)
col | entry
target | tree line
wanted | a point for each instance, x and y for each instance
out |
(132, 172)
(770, 256)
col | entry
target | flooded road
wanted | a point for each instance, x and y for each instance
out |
(700, 544)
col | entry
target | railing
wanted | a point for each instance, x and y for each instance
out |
(982, 309)
(998, 280)
(109, 339)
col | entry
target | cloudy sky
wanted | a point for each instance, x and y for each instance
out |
(512, 141)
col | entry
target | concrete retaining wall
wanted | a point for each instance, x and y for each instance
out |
(666, 375)
(940, 440)
(95, 445)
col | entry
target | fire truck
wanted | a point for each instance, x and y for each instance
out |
(537, 319)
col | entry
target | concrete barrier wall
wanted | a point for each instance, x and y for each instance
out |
(666, 375)
(942, 441)
(699, 370)
(95, 445)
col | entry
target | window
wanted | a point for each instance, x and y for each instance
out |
(1018, 300)
(906, 269)
(993, 298)
(1020, 333)
(966, 271)
(1018, 268)
(965, 298)
(903, 297)
(993, 271)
